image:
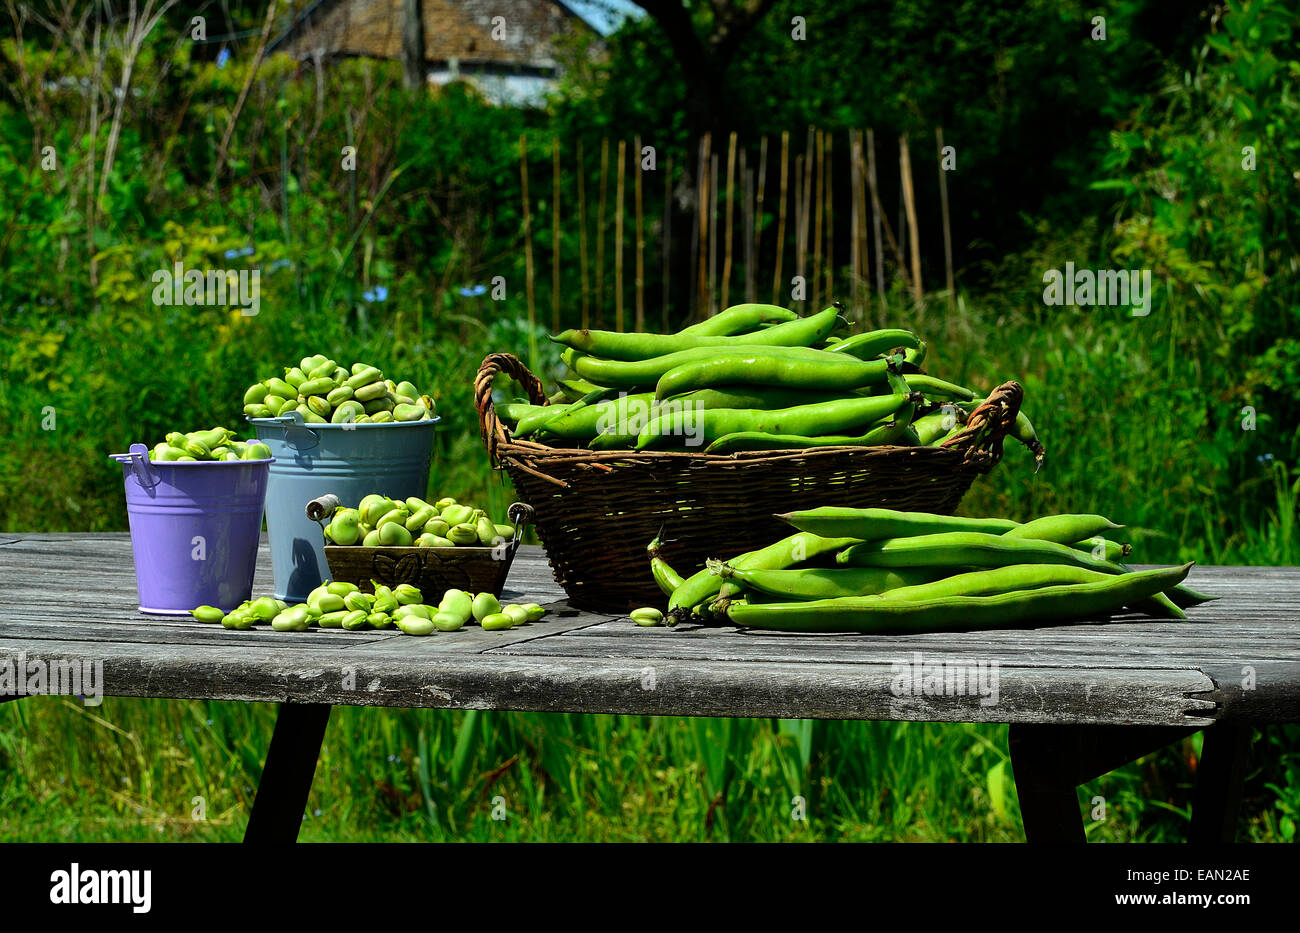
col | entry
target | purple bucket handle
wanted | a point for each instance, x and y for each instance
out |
(296, 433)
(138, 458)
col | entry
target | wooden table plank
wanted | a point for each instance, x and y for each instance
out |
(72, 597)
(635, 686)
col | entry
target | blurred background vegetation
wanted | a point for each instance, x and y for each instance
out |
(1171, 145)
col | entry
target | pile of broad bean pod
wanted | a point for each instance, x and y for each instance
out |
(878, 570)
(753, 377)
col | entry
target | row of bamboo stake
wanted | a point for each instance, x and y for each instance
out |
(813, 202)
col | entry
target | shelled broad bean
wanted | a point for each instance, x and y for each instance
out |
(378, 521)
(214, 444)
(323, 392)
(342, 605)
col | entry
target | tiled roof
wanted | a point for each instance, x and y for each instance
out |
(459, 29)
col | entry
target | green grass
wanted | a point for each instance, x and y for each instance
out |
(131, 770)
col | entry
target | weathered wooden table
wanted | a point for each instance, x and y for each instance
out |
(1081, 699)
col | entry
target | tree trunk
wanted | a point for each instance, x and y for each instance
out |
(413, 43)
(703, 62)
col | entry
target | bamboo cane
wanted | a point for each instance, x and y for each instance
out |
(854, 228)
(780, 222)
(800, 225)
(909, 200)
(830, 216)
(879, 213)
(618, 238)
(806, 195)
(702, 207)
(668, 237)
(555, 235)
(528, 252)
(819, 210)
(711, 307)
(758, 223)
(640, 241)
(864, 254)
(582, 236)
(947, 228)
(731, 200)
(600, 233)
(747, 213)
(875, 215)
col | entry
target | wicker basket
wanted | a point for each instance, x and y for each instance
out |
(597, 510)
(433, 569)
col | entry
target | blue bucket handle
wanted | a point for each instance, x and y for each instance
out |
(296, 433)
(138, 458)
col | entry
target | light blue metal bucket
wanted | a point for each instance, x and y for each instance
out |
(348, 460)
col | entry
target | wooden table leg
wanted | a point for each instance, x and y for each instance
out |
(287, 776)
(1219, 777)
(1049, 805)
(1049, 762)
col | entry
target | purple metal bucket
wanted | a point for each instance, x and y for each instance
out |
(194, 529)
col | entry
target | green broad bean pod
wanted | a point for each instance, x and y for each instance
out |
(512, 412)
(1064, 529)
(939, 424)
(880, 614)
(752, 396)
(531, 422)
(571, 389)
(602, 418)
(825, 582)
(874, 343)
(1013, 577)
(738, 319)
(646, 373)
(704, 427)
(765, 368)
(930, 386)
(664, 575)
(1104, 548)
(883, 434)
(1184, 597)
(967, 549)
(691, 595)
(868, 524)
(634, 347)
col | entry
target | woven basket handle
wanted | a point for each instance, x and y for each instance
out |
(981, 443)
(490, 427)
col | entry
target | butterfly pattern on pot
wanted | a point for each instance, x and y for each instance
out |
(405, 569)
